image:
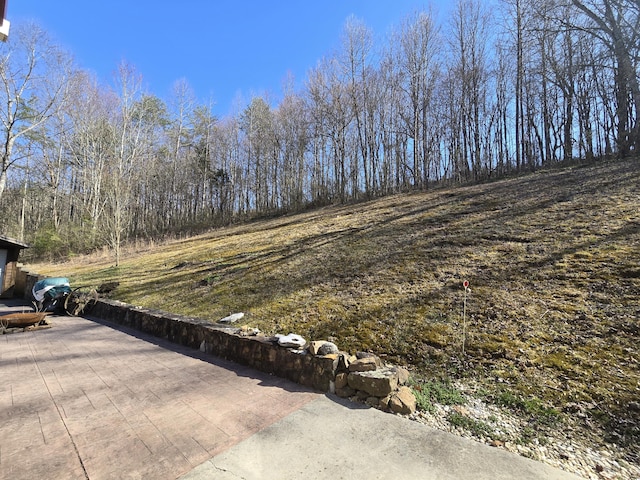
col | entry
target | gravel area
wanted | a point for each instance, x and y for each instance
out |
(570, 447)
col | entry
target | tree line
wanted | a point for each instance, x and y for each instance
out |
(489, 91)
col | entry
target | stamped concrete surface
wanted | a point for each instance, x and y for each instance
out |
(84, 400)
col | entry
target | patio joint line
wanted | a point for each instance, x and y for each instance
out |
(55, 404)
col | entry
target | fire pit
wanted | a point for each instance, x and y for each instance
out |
(21, 321)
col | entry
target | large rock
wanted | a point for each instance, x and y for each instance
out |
(321, 347)
(377, 383)
(403, 401)
(363, 355)
(329, 348)
(403, 375)
(363, 365)
(342, 380)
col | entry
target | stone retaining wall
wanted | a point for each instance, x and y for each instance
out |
(258, 352)
(363, 377)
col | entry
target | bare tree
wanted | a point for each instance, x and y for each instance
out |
(152, 213)
(331, 116)
(204, 123)
(469, 42)
(129, 149)
(418, 46)
(180, 147)
(34, 75)
(291, 132)
(355, 61)
(515, 29)
(89, 146)
(257, 124)
(616, 25)
(394, 168)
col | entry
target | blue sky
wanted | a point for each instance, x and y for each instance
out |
(226, 50)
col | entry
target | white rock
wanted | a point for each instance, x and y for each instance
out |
(232, 318)
(291, 341)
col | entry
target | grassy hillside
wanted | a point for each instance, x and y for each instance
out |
(553, 261)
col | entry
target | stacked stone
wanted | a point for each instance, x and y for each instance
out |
(364, 377)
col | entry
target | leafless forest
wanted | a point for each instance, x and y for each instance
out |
(88, 162)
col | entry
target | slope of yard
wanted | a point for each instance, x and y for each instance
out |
(553, 261)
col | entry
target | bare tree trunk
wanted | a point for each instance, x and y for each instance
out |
(607, 17)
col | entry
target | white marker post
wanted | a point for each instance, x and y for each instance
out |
(465, 284)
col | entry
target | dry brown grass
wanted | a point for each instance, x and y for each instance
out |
(552, 259)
